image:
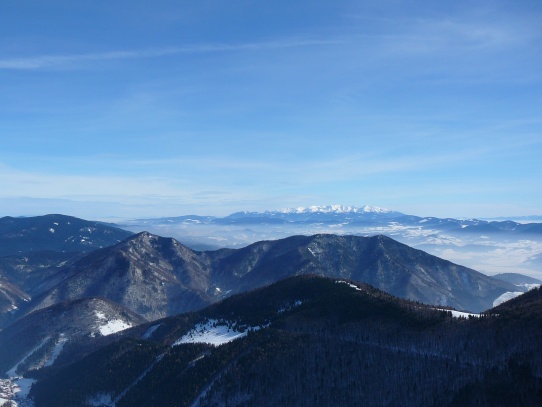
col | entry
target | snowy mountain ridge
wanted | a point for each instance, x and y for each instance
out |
(333, 209)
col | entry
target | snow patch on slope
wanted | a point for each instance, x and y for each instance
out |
(56, 351)
(113, 326)
(513, 294)
(214, 332)
(460, 314)
(506, 296)
(335, 209)
(349, 284)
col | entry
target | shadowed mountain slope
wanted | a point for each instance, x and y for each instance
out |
(379, 261)
(31, 341)
(55, 232)
(34, 249)
(151, 275)
(307, 341)
(156, 276)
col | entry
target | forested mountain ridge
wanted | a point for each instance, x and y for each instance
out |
(157, 277)
(34, 249)
(56, 233)
(151, 275)
(309, 341)
(377, 260)
(41, 337)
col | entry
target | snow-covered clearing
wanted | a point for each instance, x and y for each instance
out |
(460, 314)
(113, 326)
(211, 333)
(214, 333)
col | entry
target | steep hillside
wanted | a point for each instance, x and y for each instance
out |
(379, 261)
(34, 249)
(38, 339)
(307, 341)
(150, 275)
(527, 305)
(156, 277)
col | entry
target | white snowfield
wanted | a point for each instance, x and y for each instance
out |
(506, 296)
(460, 314)
(113, 326)
(335, 209)
(215, 333)
(212, 333)
(16, 391)
(457, 314)
(513, 294)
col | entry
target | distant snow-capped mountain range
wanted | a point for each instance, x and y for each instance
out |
(333, 209)
(489, 246)
(347, 216)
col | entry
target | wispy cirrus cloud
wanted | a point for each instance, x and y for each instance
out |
(74, 61)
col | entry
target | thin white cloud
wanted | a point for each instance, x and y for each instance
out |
(18, 183)
(76, 60)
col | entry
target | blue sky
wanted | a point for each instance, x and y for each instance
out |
(139, 108)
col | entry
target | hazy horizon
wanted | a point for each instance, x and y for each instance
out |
(82, 213)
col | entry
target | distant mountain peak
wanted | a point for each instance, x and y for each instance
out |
(144, 237)
(335, 209)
